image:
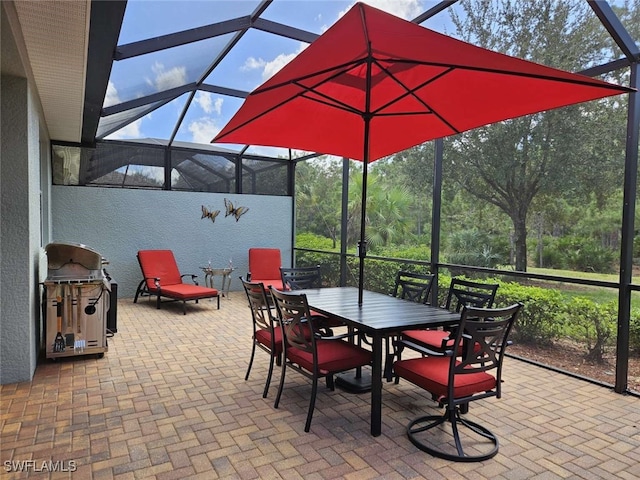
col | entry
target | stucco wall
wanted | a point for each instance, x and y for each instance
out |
(20, 251)
(119, 222)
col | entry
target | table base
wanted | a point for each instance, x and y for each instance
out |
(354, 383)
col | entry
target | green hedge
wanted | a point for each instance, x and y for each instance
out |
(547, 314)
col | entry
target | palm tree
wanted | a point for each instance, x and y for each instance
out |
(388, 220)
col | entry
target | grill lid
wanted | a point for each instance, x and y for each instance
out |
(73, 262)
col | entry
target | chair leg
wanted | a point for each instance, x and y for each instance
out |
(268, 381)
(398, 353)
(184, 307)
(253, 353)
(452, 416)
(330, 383)
(139, 290)
(281, 385)
(158, 302)
(312, 403)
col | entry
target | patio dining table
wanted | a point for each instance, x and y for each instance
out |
(379, 315)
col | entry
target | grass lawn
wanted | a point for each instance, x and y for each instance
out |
(597, 294)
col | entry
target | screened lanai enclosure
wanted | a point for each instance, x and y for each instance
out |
(544, 204)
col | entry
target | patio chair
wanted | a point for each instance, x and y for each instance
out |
(413, 287)
(300, 278)
(461, 293)
(454, 382)
(264, 267)
(313, 356)
(267, 334)
(162, 278)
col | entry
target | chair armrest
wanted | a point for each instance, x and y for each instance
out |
(193, 277)
(156, 281)
(335, 337)
(424, 350)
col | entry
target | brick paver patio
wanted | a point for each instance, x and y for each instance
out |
(169, 401)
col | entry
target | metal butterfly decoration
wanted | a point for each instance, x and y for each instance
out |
(212, 214)
(235, 211)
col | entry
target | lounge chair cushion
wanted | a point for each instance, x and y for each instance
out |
(159, 264)
(187, 291)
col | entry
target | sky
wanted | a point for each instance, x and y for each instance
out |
(252, 61)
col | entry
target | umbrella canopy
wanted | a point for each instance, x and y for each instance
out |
(374, 84)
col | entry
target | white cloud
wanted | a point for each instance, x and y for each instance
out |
(203, 130)
(166, 79)
(407, 9)
(204, 100)
(111, 97)
(274, 66)
(271, 67)
(252, 64)
(128, 131)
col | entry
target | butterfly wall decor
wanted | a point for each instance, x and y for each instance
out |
(235, 211)
(212, 214)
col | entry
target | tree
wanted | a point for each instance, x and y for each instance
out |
(318, 197)
(413, 169)
(386, 220)
(510, 163)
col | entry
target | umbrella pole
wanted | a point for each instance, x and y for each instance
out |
(362, 244)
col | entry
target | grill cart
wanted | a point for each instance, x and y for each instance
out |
(77, 298)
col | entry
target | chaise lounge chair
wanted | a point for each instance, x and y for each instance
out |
(163, 279)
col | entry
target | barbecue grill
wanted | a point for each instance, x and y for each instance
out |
(77, 294)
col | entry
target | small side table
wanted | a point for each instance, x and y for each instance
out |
(210, 274)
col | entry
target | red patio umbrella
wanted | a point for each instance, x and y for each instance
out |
(374, 84)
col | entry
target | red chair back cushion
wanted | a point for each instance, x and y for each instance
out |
(264, 264)
(161, 264)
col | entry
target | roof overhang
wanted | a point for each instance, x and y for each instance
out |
(65, 48)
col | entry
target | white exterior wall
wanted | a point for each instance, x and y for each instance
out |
(119, 222)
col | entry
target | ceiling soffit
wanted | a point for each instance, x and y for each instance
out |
(55, 35)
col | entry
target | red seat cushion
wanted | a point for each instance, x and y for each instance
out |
(433, 339)
(269, 282)
(432, 374)
(186, 291)
(333, 356)
(430, 338)
(264, 337)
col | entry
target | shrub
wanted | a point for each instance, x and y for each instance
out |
(577, 253)
(547, 313)
(313, 241)
(543, 314)
(595, 324)
(634, 331)
(471, 247)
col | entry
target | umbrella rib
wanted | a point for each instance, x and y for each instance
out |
(576, 81)
(340, 69)
(411, 92)
(331, 102)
